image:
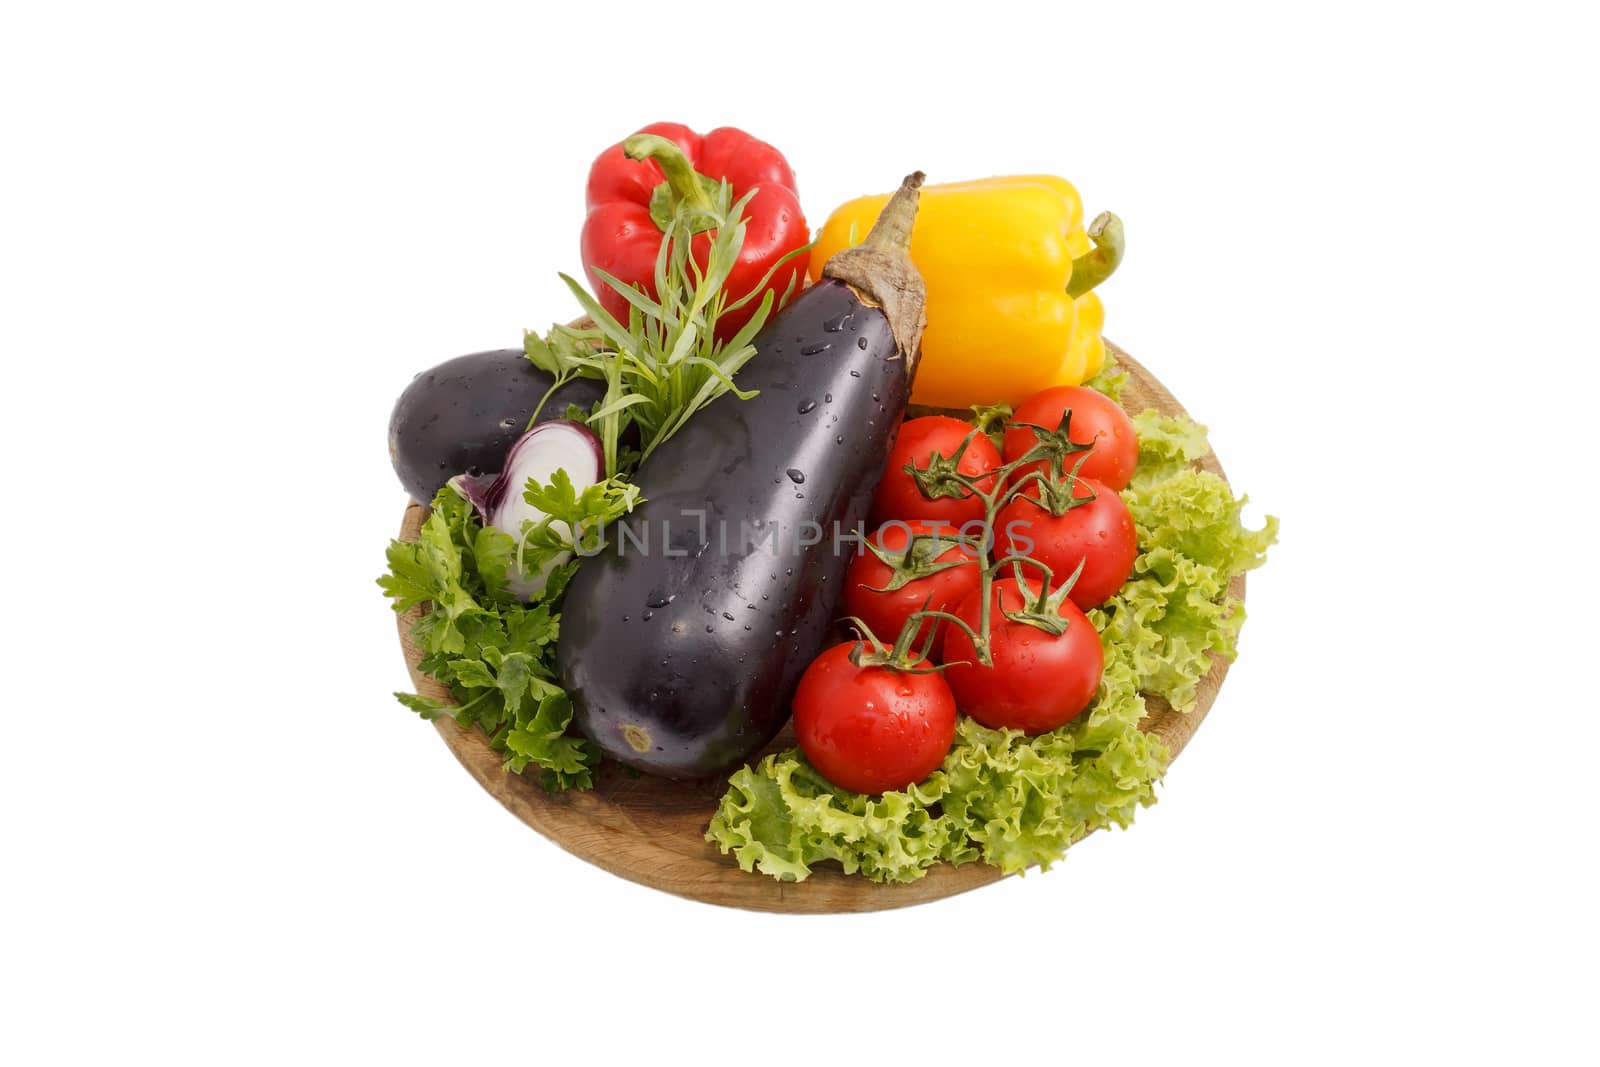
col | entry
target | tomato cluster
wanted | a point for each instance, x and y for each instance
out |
(1038, 524)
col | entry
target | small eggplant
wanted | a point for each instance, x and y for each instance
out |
(461, 416)
(548, 447)
(681, 654)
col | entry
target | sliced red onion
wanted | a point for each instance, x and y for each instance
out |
(548, 447)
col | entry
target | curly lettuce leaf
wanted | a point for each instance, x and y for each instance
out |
(781, 817)
(1109, 380)
(1017, 801)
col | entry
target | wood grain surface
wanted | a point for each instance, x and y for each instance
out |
(651, 830)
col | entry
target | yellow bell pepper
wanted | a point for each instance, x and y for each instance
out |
(1008, 266)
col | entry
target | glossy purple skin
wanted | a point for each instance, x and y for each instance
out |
(684, 665)
(461, 416)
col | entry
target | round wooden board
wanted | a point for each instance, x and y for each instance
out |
(652, 831)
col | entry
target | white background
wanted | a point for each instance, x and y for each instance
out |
(1362, 248)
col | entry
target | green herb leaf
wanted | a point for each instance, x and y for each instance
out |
(664, 364)
(496, 654)
(427, 707)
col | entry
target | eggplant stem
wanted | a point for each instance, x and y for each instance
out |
(892, 231)
(882, 275)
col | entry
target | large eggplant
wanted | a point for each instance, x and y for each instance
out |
(461, 416)
(681, 645)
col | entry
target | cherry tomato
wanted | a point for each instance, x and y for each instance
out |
(1096, 420)
(1099, 533)
(872, 729)
(885, 613)
(899, 495)
(1039, 681)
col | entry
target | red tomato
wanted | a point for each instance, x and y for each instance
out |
(899, 495)
(872, 729)
(885, 613)
(1100, 534)
(1096, 420)
(1038, 682)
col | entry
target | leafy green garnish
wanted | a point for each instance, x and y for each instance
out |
(494, 653)
(573, 522)
(1016, 801)
(665, 363)
(1109, 380)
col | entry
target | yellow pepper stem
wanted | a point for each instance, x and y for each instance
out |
(1100, 262)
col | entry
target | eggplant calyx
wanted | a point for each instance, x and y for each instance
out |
(882, 274)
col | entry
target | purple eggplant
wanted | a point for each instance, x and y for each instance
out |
(461, 416)
(682, 643)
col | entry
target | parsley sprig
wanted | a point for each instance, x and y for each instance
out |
(495, 653)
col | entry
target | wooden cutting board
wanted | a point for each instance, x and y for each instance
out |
(652, 831)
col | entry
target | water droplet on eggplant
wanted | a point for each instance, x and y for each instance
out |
(861, 343)
(807, 406)
(796, 475)
(816, 349)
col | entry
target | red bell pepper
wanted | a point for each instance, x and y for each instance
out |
(635, 186)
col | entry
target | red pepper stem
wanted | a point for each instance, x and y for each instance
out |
(1097, 264)
(684, 180)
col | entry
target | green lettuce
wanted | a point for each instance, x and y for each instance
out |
(1015, 801)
